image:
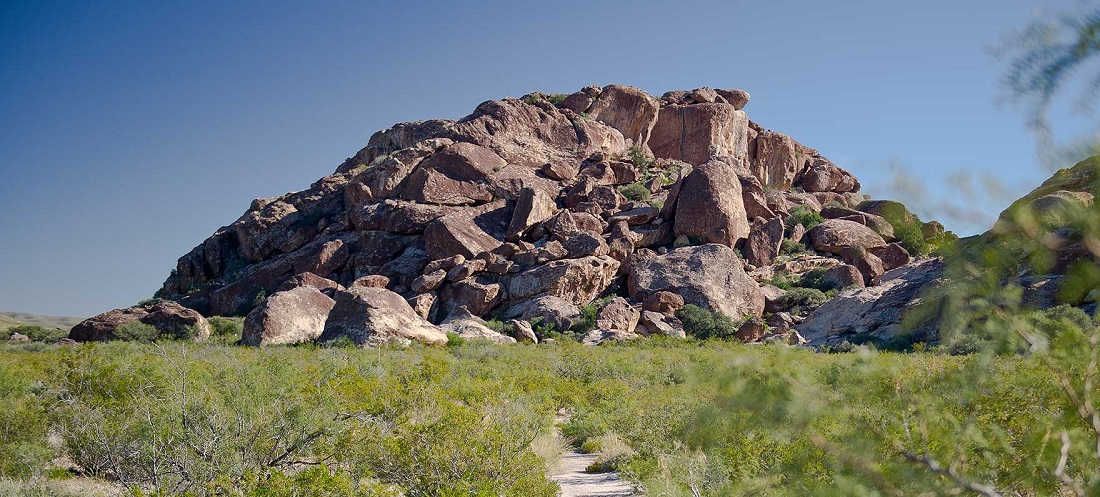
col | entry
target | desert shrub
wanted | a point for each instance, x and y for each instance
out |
(800, 301)
(968, 344)
(612, 452)
(790, 247)
(909, 234)
(38, 333)
(636, 192)
(703, 324)
(226, 329)
(136, 331)
(814, 278)
(1069, 315)
(557, 98)
(455, 340)
(24, 450)
(805, 216)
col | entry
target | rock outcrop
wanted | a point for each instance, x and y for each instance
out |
(533, 209)
(169, 318)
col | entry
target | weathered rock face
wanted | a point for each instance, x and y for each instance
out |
(376, 316)
(835, 235)
(764, 242)
(297, 315)
(577, 280)
(169, 318)
(456, 175)
(527, 209)
(709, 276)
(709, 206)
(873, 311)
(698, 133)
(630, 110)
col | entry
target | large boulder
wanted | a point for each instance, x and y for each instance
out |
(376, 316)
(764, 242)
(293, 316)
(530, 135)
(777, 159)
(630, 110)
(874, 312)
(835, 235)
(268, 227)
(467, 232)
(466, 325)
(698, 133)
(577, 280)
(554, 311)
(455, 175)
(709, 206)
(709, 276)
(397, 216)
(533, 207)
(169, 318)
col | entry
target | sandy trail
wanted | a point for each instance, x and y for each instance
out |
(575, 482)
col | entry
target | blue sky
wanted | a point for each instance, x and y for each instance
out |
(130, 131)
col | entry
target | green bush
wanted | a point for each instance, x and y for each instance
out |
(790, 247)
(814, 278)
(800, 301)
(136, 331)
(557, 98)
(909, 235)
(636, 192)
(703, 324)
(226, 329)
(805, 216)
(36, 333)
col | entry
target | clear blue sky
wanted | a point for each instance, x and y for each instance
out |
(130, 131)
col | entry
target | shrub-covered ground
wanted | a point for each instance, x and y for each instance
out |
(676, 417)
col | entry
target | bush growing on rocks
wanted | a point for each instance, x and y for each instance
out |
(703, 324)
(636, 192)
(909, 234)
(804, 216)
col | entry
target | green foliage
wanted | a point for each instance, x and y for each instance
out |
(805, 216)
(801, 301)
(455, 340)
(557, 98)
(909, 234)
(226, 329)
(136, 331)
(35, 333)
(790, 247)
(636, 192)
(703, 324)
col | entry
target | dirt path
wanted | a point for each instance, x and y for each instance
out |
(575, 482)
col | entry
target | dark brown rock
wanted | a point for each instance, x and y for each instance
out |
(843, 276)
(533, 207)
(892, 256)
(464, 232)
(169, 318)
(764, 243)
(663, 302)
(751, 331)
(709, 206)
(456, 175)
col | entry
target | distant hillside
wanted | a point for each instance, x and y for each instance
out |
(13, 319)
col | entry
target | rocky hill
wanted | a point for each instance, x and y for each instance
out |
(598, 215)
